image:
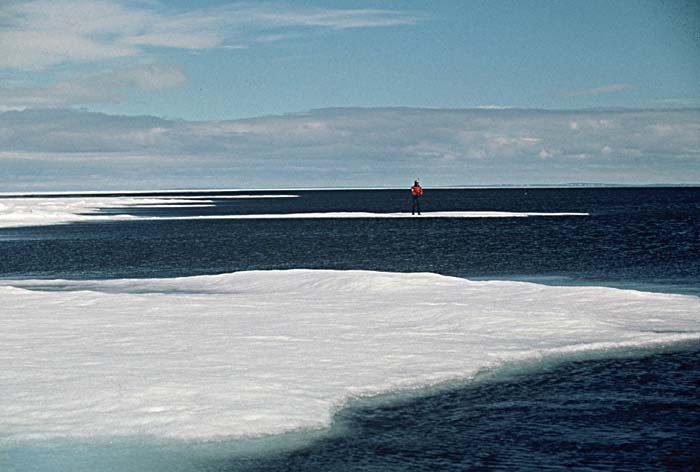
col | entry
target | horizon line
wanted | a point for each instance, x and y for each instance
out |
(47, 193)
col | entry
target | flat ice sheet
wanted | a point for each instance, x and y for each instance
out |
(244, 197)
(252, 353)
(18, 212)
(361, 214)
(42, 211)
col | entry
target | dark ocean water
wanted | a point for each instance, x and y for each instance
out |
(632, 412)
(646, 237)
(622, 414)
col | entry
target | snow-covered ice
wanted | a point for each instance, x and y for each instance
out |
(253, 353)
(41, 211)
(18, 212)
(362, 214)
(252, 196)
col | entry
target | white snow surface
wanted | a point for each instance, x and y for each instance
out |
(261, 352)
(41, 211)
(18, 212)
(220, 197)
(361, 214)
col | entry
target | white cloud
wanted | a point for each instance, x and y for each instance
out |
(493, 107)
(41, 33)
(546, 154)
(149, 77)
(358, 147)
(110, 86)
(610, 88)
(4, 108)
(35, 50)
(337, 19)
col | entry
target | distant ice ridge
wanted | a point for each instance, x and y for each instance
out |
(254, 353)
(18, 212)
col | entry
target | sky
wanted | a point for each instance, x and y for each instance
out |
(138, 94)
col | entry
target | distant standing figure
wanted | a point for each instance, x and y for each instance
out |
(416, 192)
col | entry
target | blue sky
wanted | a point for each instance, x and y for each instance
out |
(219, 61)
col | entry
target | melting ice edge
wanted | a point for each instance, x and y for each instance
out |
(266, 352)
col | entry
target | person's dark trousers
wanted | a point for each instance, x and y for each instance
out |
(416, 205)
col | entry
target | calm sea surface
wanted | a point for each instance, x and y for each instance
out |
(635, 411)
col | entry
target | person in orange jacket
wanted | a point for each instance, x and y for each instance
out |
(416, 192)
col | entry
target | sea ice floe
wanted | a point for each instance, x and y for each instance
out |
(254, 353)
(40, 211)
(17, 212)
(363, 214)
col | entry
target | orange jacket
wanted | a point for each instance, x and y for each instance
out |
(416, 191)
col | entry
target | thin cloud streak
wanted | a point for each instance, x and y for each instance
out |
(611, 88)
